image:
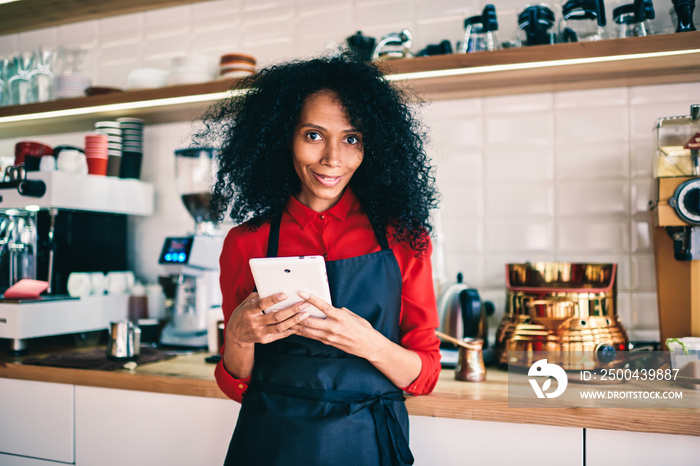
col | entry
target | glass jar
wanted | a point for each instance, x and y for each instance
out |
(631, 20)
(582, 20)
(678, 145)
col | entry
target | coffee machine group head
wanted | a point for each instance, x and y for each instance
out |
(675, 210)
(193, 261)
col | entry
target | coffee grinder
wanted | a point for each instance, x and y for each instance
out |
(193, 261)
(676, 218)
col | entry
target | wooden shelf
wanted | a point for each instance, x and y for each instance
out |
(152, 110)
(37, 14)
(662, 59)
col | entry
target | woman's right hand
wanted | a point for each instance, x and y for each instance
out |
(248, 324)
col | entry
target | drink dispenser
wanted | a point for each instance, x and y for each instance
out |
(536, 22)
(631, 19)
(582, 20)
(480, 32)
(676, 218)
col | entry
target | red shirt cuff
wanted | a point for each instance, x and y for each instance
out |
(428, 377)
(232, 387)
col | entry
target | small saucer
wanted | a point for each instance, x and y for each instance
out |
(90, 91)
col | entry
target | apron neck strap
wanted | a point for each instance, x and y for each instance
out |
(274, 238)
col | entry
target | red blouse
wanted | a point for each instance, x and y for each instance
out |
(341, 232)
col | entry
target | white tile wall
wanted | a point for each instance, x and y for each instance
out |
(549, 176)
(592, 199)
(518, 162)
(594, 161)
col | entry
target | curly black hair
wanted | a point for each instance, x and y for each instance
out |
(394, 183)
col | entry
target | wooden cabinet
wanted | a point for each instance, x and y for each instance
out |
(47, 423)
(44, 423)
(120, 427)
(37, 422)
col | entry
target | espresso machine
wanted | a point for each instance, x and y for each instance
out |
(74, 223)
(192, 261)
(563, 308)
(675, 208)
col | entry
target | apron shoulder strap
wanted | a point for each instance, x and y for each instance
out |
(274, 238)
(381, 238)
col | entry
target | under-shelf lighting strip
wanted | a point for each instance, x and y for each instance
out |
(210, 97)
(139, 104)
(533, 65)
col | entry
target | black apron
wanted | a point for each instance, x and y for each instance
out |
(310, 404)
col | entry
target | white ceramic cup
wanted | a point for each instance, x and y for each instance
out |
(130, 280)
(98, 282)
(72, 161)
(79, 284)
(116, 283)
(47, 163)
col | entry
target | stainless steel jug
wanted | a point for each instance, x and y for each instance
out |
(124, 341)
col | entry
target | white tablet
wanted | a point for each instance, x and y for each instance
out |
(290, 275)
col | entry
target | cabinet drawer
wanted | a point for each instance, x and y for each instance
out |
(126, 427)
(606, 447)
(37, 420)
(11, 460)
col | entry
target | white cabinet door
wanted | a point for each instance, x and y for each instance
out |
(459, 442)
(36, 419)
(11, 460)
(120, 427)
(606, 447)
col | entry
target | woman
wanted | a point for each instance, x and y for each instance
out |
(323, 157)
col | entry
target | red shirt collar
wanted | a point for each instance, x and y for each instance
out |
(304, 215)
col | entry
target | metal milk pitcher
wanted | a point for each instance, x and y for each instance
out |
(124, 341)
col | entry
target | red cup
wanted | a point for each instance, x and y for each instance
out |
(97, 165)
(32, 149)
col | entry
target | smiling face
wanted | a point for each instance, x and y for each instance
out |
(326, 151)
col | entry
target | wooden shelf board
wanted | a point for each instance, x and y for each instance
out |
(543, 53)
(151, 115)
(37, 14)
(659, 66)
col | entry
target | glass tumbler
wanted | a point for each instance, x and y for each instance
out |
(4, 75)
(20, 83)
(72, 60)
(43, 74)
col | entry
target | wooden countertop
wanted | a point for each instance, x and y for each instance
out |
(484, 401)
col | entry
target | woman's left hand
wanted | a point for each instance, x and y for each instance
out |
(342, 329)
